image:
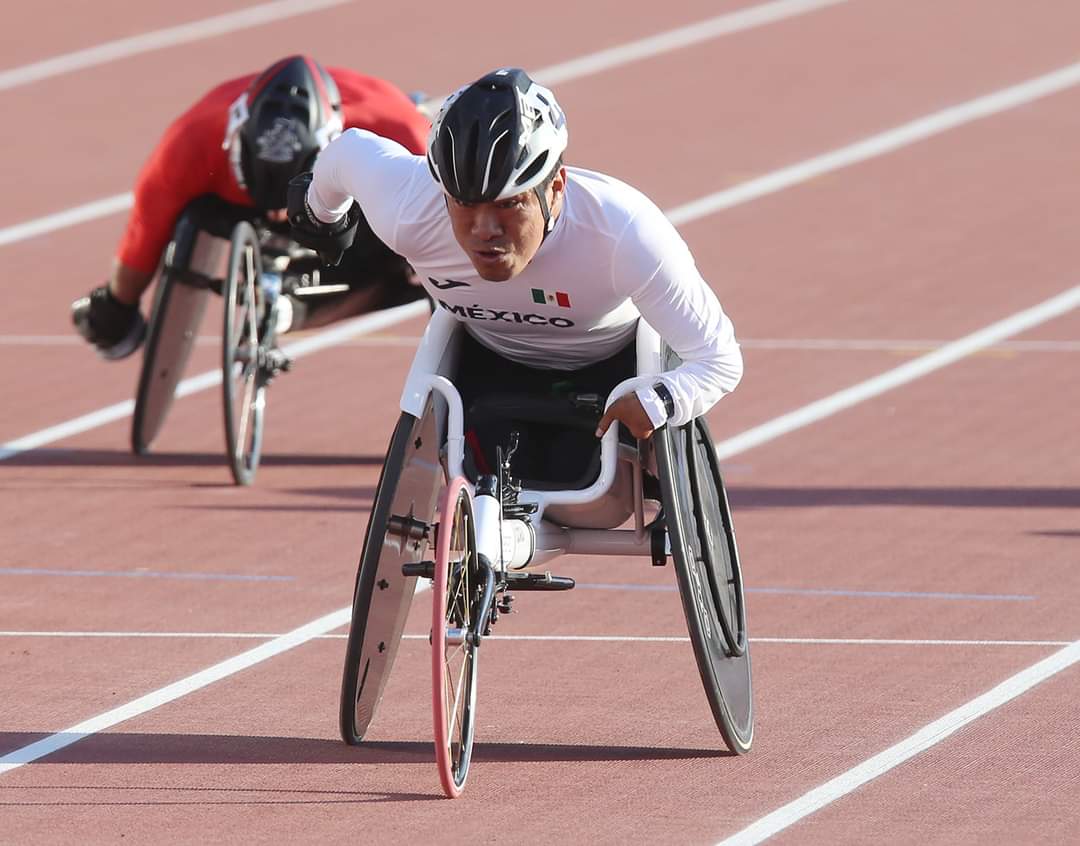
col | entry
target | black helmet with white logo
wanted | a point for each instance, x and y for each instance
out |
(497, 137)
(290, 112)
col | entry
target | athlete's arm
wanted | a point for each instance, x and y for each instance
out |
(175, 173)
(128, 283)
(655, 267)
(374, 171)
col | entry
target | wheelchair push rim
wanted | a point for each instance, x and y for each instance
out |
(713, 517)
(709, 575)
(243, 381)
(453, 650)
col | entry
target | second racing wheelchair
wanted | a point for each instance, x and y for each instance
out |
(438, 515)
(215, 250)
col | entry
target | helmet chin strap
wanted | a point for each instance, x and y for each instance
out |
(549, 221)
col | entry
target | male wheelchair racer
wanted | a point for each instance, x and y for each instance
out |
(219, 248)
(441, 514)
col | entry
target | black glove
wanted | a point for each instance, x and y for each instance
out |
(115, 328)
(329, 240)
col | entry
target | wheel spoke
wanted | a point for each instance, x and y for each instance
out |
(454, 662)
(252, 318)
(246, 408)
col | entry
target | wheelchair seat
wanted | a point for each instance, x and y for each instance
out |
(557, 447)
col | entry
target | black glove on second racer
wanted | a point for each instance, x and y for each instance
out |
(329, 240)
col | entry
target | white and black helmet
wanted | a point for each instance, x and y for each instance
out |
(497, 137)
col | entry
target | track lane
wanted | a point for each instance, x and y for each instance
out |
(551, 781)
(995, 156)
(958, 786)
(86, 170)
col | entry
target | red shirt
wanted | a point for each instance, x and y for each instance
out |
(189, 160)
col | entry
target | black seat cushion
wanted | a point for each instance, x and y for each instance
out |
(557, 445)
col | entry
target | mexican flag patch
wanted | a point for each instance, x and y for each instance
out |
(559, 298)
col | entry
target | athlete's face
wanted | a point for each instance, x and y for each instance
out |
(502, 237)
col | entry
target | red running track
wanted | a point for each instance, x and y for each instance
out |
(942, 512)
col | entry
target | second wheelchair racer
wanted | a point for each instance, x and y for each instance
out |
(231, 156)
(548, 267)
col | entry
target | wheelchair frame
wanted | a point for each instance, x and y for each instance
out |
(199, 260)
(432, 410)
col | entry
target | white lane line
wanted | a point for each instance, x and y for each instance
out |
(574, 69)
(63, 219)
(792, 641)
(297, 349)
(907, 372)
(677, 39)
(159, 39)
(169, 693)
(932, 734)
(882, 143)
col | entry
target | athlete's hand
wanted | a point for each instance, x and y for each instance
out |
(329, 240)
(628, 410)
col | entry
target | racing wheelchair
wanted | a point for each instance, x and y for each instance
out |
(215, 249)
(478, 535)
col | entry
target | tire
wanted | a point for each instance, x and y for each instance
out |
(709, 574)
(411, 479)
(455, 593)
(242, 378)
(175, 319)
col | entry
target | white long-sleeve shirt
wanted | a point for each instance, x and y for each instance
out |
(611, 258)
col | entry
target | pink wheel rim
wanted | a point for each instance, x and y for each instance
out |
(442, 714)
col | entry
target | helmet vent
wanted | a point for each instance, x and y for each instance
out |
(533, 169)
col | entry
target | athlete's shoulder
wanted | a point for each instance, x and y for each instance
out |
(384, 176)
(604, 202)
(360, 143)
(640, 236)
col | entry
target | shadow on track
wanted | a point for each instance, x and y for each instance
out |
(142, 748)
(204, 796)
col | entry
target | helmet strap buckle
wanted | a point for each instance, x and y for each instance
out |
(549, 221)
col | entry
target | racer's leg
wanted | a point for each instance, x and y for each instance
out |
(482, 372)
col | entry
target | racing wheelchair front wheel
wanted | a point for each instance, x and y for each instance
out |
(454, 646)
(243, 369)
(706, 558)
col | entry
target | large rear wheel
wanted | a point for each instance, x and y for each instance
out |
(175, 319)
(243, 372)
(706, 558)
(398, 534)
